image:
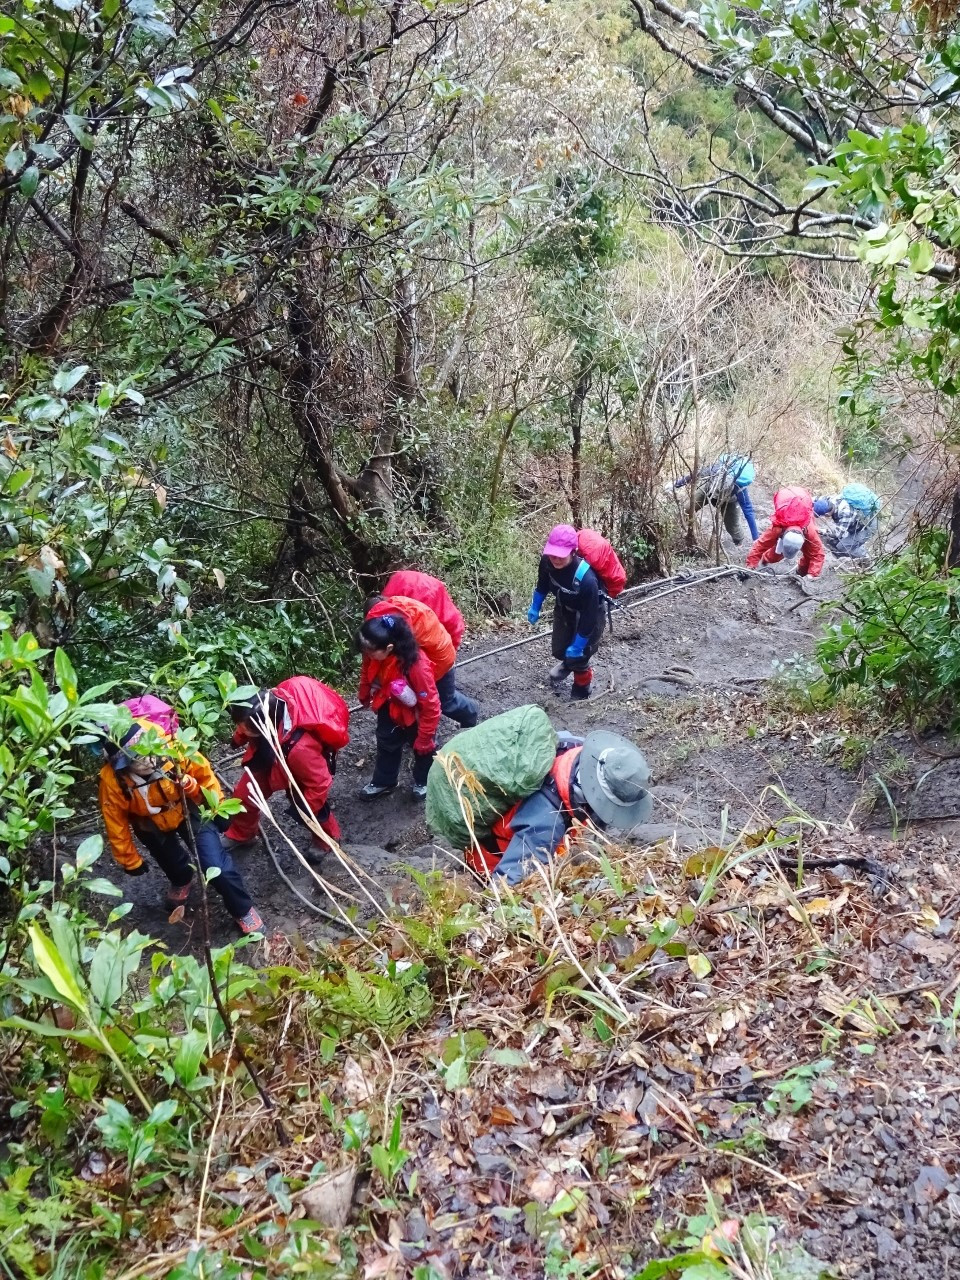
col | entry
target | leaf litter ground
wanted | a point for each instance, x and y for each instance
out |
(762, 1029)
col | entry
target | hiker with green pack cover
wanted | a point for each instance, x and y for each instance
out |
(508, 791)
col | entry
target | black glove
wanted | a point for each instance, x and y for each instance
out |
(137, 871)
(743, 575)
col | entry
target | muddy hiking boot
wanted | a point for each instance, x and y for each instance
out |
(177, 894)
(419, 791)
(556, 676)
(252, 922)
(239, 846)
(580, 692)
(371, 791)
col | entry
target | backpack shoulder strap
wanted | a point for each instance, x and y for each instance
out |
(583, 568)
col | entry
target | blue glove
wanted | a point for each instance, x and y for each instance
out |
(576, 648)
(536, 604)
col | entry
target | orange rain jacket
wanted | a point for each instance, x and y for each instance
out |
(429, 632)
(125, 804)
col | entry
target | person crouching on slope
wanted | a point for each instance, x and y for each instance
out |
(435, 640)
(309, 723)
(602, 779)
(792, 532)
(142, 795)
(397, 681)
(578, 619)
(725, 485)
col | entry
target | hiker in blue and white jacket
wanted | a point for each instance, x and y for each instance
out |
(725, 484)
(854, 512)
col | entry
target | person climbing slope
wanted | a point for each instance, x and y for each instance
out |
(578, 619)
(146, 796)
(854, 512)
(792, 532)
(435, 639)
(292, 734)
(397, 682)
(537, 785)
(432, 592)
(725, 484)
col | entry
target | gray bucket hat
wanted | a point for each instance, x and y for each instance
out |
(615, 780)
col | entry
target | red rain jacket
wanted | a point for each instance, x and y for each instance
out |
(764, 550)
(431, 592)
(375, 680)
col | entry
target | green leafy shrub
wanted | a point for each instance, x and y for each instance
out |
(899, 639)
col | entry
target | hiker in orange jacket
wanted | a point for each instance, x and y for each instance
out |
(436, 640)
(397, 681)
(142, 795)
(792, 530)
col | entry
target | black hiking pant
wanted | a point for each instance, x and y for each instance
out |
(391, 739)
(171, 851)
(565, 628)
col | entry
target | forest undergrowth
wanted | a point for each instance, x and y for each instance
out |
(650, 1063)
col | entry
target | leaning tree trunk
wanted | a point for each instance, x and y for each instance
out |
(580, 390)
(953, 549)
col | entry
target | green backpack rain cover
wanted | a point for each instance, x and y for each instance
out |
(508, 755)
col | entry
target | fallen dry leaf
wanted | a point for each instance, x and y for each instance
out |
(328, 1201)
(355, 1084)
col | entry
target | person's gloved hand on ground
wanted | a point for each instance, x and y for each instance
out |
(536, 604)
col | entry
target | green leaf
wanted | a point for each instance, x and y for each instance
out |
(66, 379)
(921, 256)
(29, 181)
(99, 885)
(699, 965)
(508, 1057)
(190, 1053)
(78, 127)
(54, 967)
(457, 1074)
(88, 851)
(66, 676)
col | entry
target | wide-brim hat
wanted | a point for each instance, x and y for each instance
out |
(615, 780)
(562, 541)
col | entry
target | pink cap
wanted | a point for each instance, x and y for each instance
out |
(562, 541)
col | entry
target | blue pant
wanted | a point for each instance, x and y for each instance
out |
(538, 826)
(745, 503)
(454, 704)
(171, 850)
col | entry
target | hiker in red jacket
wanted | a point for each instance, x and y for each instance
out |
(310, 724)
(432, 592)
(397, 681)
(792, 531)
(413, 593)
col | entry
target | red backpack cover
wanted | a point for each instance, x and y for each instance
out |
(792, 507)
(158, 712)
(603, 560)
(315, 706)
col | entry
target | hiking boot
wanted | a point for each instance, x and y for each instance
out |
(177, 894)
(556, 676)
(419, 791)
(239, 846)
(371, 791)
(252, 922)
(580, 692)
